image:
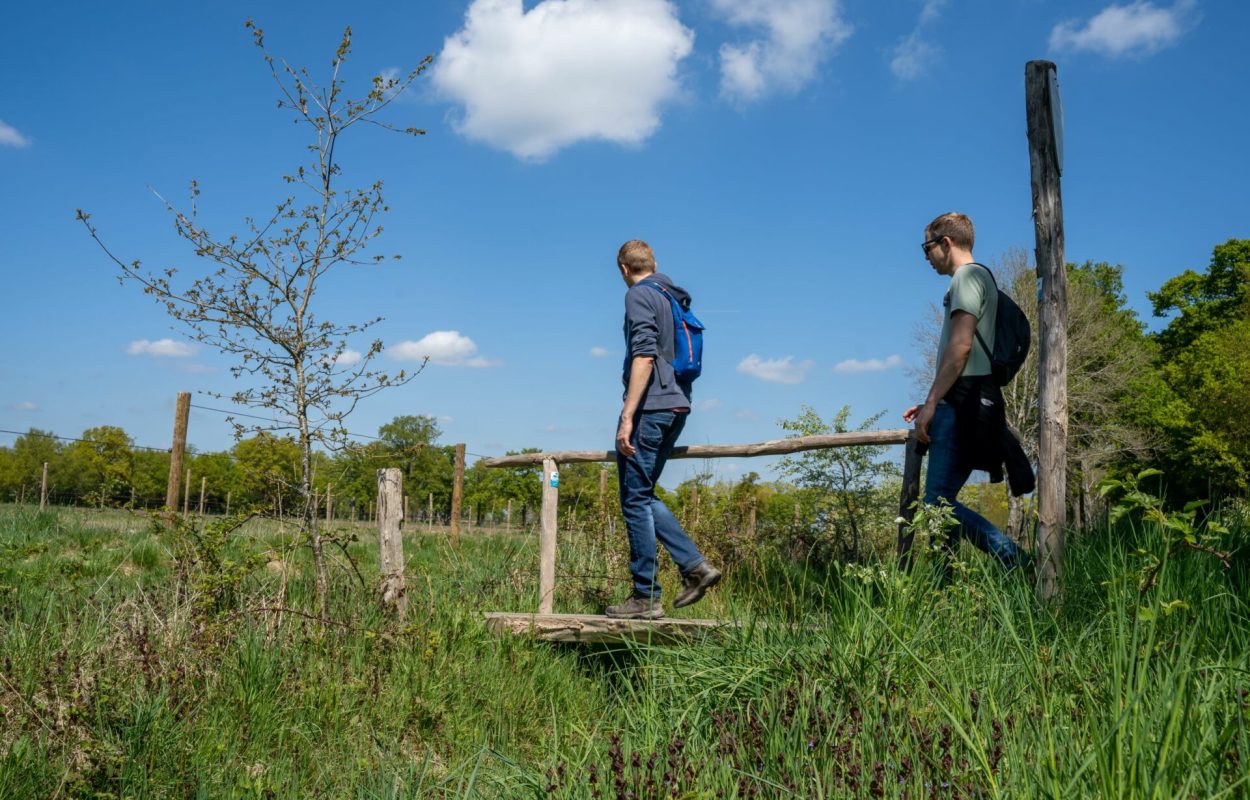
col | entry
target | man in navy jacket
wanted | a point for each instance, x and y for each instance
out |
(654, 412)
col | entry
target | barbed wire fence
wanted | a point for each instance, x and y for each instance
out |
(50, 484)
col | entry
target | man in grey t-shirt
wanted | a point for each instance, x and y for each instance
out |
(653, 414)
(971, 307)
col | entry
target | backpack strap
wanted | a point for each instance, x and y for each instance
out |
(989, 354)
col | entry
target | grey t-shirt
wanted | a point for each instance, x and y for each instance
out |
(972, 290)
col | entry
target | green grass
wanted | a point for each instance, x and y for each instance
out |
(117, 680)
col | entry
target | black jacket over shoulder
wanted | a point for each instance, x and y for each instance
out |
(983, 440)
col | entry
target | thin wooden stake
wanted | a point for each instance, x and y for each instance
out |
(547, 539)
(329, 504)
(177, 452)
(429, 515)
(43, 488)
(227, 504)
(186, 494)
(508, 521)
(203, 487)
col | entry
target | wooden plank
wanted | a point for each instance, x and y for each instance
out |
(547, 538)
(794, 444)
(182, 411)
(598, 628)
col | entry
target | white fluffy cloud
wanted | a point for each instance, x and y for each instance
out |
(600, 352)
(775, 370)
(161, 348)
(447, 348)
(25, 405)
(533, 82)
(1139, 28)
(795, 36)
(868, 365)
(12, 137)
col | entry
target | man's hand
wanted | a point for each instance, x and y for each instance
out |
(624, 431)
(922, 416)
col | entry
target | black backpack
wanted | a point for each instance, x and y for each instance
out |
(1011, 337)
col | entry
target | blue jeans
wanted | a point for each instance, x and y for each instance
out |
(646, 516)
(946, 476)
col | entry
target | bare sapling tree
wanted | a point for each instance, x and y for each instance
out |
(256, 299)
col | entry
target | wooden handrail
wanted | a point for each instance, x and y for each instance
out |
(774, 447)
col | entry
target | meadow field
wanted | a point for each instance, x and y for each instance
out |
(140, 661)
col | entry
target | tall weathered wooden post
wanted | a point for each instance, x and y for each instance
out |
(182, 411)
(1045, 126)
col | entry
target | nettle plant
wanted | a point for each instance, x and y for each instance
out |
(1177, 531)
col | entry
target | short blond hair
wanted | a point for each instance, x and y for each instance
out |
(636, 256)
(954, 225)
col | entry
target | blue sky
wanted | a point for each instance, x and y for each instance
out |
(782, 156)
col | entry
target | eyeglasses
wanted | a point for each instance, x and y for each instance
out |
(924, 246)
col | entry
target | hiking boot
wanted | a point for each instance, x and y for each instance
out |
(636, 607)
(697, 581)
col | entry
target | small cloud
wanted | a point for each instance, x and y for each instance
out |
(600, 352)
(708, 405)
(796, 36)
(552, 428)
(25, 405)
(869, 365)
(446, 348)
(912, 56)
(1140, 29)
(348, 358)
(565, 71)
(775, 370)
(931, 11)
(161, 348)
(12, 137)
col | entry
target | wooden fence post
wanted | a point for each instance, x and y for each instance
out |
(203, 487)
(1045, 129)
(43, 488)
(694, 501)
(329, 504)
(547, 539)
(429, 515)
(390, 540)
(186, 494)
(907, 497)
(751, 523)
(457, 495)
(182, 411)
(406, 517)
(228, 504)
(508, 522)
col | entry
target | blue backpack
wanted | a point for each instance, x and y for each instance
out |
(687, 338)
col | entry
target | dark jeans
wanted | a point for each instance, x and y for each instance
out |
(946, 476)
(646, 517)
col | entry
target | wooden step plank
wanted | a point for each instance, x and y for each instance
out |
(598, 628)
